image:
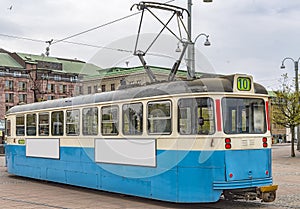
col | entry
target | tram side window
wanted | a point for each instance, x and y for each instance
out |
(57, 122)
(90, 121)
(159, 117)
(72, 122)
(133, 119)
(20, 125)
(8, 128)
(31, 124)
(109, 122)
(44, 124)
(196, 116)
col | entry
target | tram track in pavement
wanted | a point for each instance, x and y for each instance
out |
(28, 203)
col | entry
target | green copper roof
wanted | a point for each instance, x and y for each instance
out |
(79, 67)
(68, 65)
(119, 71)
(35, 58)
(7, 61)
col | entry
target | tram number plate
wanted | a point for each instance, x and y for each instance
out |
(243, 84)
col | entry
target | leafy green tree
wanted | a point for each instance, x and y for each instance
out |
(286, 108)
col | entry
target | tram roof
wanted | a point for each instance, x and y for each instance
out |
(208, 84)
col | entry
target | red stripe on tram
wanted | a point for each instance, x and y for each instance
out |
(268, 116)
(218, 114)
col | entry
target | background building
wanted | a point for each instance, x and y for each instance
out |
(27, 78)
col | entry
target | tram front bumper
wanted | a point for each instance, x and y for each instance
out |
(267, 193)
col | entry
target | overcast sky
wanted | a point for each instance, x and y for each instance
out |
(249, 36)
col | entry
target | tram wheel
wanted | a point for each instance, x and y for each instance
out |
(268, 196)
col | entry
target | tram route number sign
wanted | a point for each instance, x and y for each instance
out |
(243, 84)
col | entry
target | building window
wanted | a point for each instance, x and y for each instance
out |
(51, 88)
(103, 88)
(9, 85)
(57, 77)
(7, 107)
(95, 88)
(65, 89)
(62, 89)
(22, 86)
(50, 97)
(89, 89)
(9, 98)
(112, 87)
(23, 98)
(80, 90)
(17, 74)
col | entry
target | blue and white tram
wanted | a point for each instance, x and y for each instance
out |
(180, 141)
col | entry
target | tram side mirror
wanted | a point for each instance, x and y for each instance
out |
(201, 121)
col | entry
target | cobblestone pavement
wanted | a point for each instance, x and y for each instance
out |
(18, 192)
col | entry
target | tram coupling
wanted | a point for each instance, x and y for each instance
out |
(265, 193)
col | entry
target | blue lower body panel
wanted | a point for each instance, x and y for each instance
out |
(196, 177)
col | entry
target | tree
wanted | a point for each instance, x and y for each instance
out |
(286, 109)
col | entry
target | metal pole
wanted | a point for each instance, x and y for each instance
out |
(297, 91)
(190, 69)
(296, 78)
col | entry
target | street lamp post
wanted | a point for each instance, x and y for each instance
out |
(191, 48)
(206, 43)
(296, 67)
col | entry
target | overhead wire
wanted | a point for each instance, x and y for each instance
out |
(23, 38)
(81, 33)
(103, 25)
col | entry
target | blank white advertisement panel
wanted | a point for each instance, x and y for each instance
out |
(129, 152)
(44, 148)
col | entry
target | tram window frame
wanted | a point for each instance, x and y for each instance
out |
(73, 122)
(132, 124)
(196, 116)
(20, 127)
(57, 126)
(159, 124)
(90, 117)
(251, 115)
(31, 124)
(8, 127)
(110, 120)
(44, 118)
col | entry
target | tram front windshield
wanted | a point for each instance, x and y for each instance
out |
(243, 116)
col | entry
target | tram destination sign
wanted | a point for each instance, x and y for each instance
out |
(244, 84)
